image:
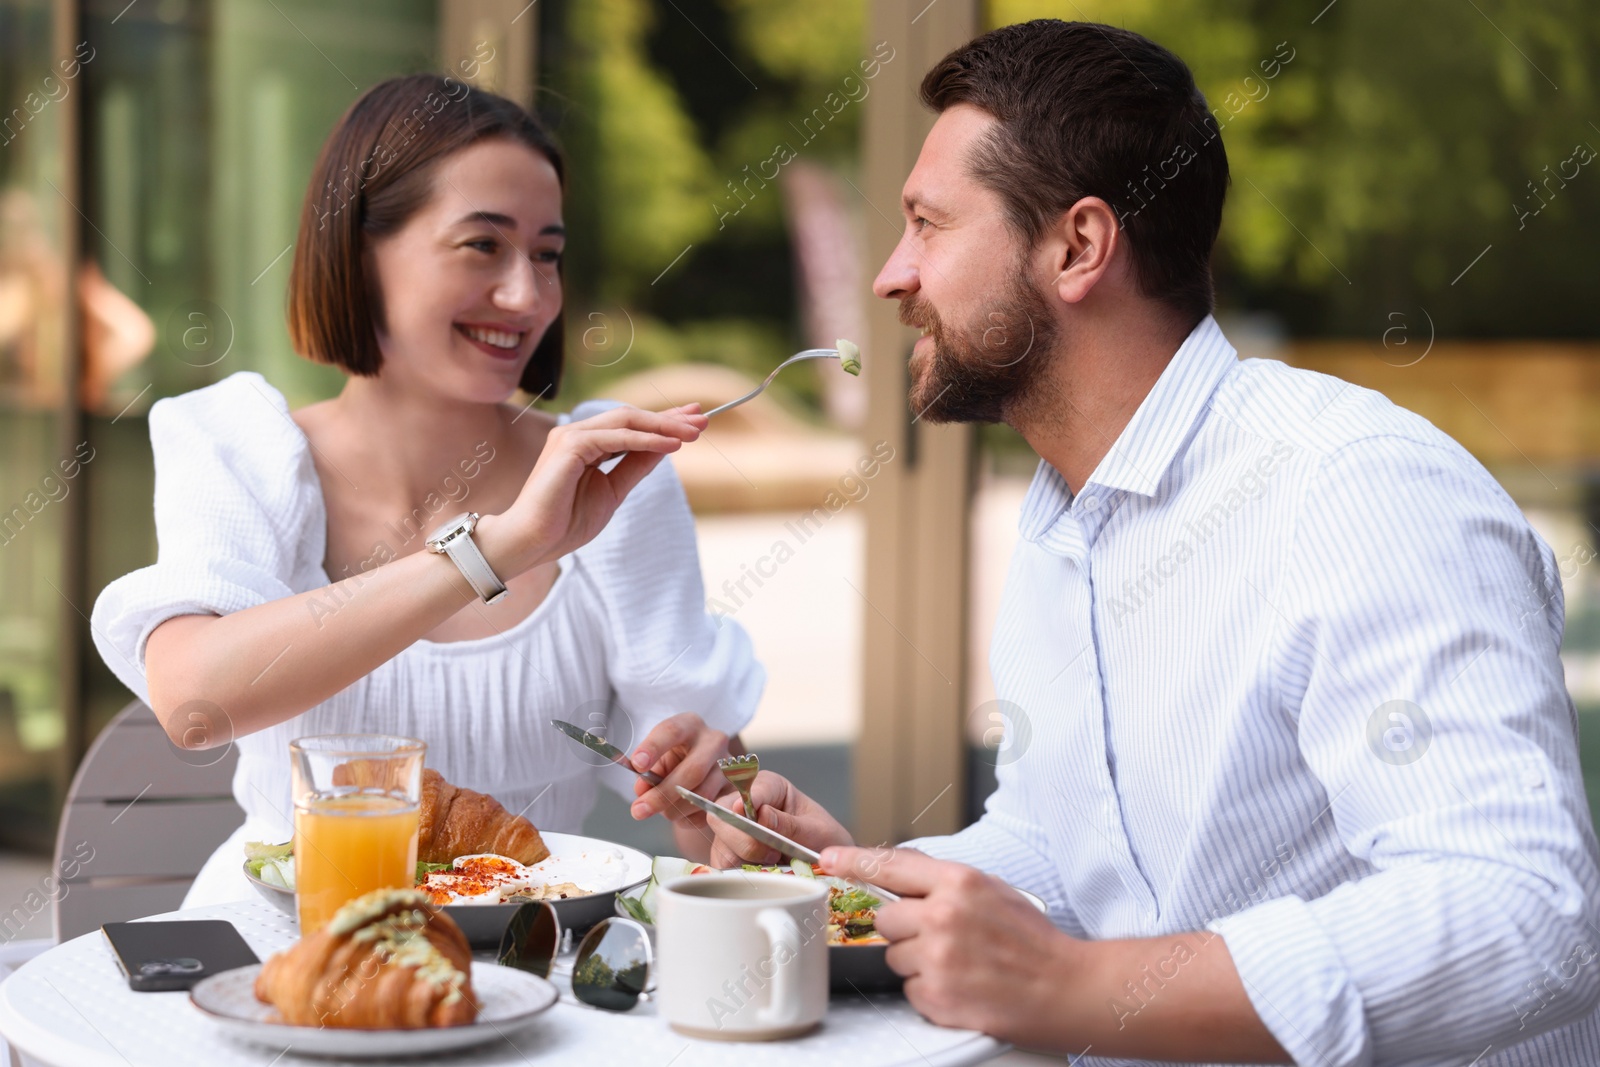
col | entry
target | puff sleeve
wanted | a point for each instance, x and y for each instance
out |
(238, 514)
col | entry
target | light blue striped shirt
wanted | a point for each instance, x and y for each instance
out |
(1287, 670)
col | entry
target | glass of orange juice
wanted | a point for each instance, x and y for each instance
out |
(356, 805)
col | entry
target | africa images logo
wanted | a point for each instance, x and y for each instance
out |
(1398, 732)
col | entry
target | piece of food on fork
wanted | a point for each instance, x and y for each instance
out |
(849, 355)
(388, 960)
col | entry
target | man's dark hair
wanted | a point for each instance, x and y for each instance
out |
(1091, 110)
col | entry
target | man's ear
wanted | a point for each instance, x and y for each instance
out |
(1087, 240)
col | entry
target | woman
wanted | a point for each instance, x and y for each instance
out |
(293, 595)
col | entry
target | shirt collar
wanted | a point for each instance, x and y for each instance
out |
(1142, 453)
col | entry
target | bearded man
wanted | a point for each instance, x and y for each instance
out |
(1302, 783)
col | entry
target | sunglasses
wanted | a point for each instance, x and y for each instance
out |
(614, 961)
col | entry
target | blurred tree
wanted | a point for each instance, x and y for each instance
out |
(1398, 143)
(644, 162)
(672, 112)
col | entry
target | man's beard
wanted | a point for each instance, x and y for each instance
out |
(989, 370)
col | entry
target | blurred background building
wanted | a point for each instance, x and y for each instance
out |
(1413, 208)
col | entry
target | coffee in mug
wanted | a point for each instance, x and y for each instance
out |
(742, 955)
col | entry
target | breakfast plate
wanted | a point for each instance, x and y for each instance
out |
(507, 1000)
(600, 868)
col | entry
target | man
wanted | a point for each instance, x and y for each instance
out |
(1301, 783)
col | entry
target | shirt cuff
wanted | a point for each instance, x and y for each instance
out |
(1298, 983)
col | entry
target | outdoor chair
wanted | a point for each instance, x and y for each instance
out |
(141, 818)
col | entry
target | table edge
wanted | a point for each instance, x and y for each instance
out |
(37, 1041)
(980, 1049)
(26, 1036)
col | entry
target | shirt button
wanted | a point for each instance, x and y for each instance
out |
(1090, 503)
(1532, 778)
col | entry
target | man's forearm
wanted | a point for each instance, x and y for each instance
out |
(1167, 998)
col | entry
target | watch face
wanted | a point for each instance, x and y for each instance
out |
(466, 519)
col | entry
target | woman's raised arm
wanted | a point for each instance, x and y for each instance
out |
(215, 677)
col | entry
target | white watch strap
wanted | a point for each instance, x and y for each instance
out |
(463, 550)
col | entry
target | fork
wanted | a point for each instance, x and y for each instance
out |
(740, 771)
(848, 354)
(849, 358)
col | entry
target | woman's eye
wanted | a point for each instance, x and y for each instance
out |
(487, 245)
(548, 256)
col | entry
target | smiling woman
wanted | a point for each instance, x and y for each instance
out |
(428, 269)
(435, 148)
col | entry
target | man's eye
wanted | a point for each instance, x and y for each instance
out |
(919, 222)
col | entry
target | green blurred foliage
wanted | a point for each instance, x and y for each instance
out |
(646, 166)
(806, 51)
(1396, 145)
(670, 112)
(803, 43)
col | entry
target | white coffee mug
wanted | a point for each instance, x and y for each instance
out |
(742, 955)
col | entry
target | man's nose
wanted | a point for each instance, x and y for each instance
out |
(899, 277)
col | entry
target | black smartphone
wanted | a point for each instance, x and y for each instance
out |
(162, 956)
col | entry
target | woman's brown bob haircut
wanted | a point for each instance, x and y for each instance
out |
(375, 172)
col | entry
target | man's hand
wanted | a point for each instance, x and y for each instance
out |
(781, 807)
(977, 954)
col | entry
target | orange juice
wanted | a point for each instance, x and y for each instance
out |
(345, 846)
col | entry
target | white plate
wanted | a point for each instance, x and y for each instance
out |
(484, 923)
(508, 1000)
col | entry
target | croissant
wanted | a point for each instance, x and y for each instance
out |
(388, 960)
(371, 774)
(462, 822)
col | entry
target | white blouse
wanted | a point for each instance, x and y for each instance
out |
(621, 641)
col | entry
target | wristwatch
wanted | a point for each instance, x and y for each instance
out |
(454, 539)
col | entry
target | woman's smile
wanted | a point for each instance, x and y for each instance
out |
(498, 342)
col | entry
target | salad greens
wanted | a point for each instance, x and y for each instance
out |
(635, 909)
(274, 864)
(662, 868)
(850, 907)
(854, 900)
(799, 867)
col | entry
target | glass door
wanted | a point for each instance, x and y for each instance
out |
(201, 124)
(40, 478)
(152, 161)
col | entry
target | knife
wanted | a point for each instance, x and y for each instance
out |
(603, 747)
(769, 837)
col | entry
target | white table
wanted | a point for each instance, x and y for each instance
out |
(71, 1007)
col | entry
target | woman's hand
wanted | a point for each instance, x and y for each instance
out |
(684, 751)
(568, 499)
(781, 807)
